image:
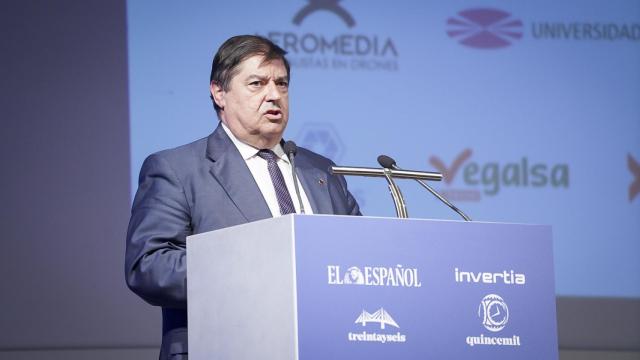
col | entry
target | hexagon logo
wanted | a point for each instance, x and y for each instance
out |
(323, 139)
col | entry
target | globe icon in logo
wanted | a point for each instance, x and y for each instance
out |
(354, 276)
(494, 312)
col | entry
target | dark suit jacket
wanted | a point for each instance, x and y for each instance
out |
(195, 188)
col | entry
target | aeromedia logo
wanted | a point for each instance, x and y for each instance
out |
(382, 318)
(397, 276)
(327, 5)
(505, 277)
(494, 314)
(334, 49)
(493, 176)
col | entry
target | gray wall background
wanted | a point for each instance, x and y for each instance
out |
(65, 182)
(65, 193)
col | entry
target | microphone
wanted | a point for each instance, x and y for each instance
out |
(387, 162)
(290, 148)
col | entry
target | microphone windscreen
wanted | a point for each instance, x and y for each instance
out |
(386, 161)
(290, 147)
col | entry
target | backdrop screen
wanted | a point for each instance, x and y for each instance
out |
(530, 109)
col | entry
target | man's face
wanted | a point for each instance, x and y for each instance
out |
(256, 106)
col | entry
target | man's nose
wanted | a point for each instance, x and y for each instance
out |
(273, 93)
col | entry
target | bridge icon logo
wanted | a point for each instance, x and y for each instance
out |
(326, 5)
(381, 317)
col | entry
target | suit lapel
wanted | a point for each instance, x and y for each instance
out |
(315, 184)
(231, 171)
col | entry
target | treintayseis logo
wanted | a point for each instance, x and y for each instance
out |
(398, 276)
(381, 317)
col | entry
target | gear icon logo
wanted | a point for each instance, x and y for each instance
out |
(494, 312)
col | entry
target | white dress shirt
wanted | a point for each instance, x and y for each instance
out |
(260, 172)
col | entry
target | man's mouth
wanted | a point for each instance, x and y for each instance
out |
(273, 114)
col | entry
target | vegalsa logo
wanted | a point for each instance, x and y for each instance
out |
(397, 276)
(493, 176)
(484, 28)
(494, 314)
(634, 167)
(334, 48)
(382, 318)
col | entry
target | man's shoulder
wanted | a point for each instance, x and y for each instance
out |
(180, 158)
(314, 158)
(192, 150)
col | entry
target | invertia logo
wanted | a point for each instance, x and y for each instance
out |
(397, 276)
(327, 5)
(506, 277)
(634, 167)
(379, 317)
(331, 49)
(494, 313)
(494, 176)
(484, 28)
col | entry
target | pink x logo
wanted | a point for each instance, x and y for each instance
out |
(634, 188)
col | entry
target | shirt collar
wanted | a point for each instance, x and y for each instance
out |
(247, 151)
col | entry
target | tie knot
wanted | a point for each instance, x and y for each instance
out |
(267, 155)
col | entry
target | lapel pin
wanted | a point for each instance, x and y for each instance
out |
(321, 181)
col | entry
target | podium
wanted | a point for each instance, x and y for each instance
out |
(341, 287)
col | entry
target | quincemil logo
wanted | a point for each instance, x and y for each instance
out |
(494, 314)
(493, 176)
(397, 276)
(484, 28)
(334, 49)
(634, 167)
(381, 317)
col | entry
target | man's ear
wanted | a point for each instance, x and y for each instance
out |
(218, 94)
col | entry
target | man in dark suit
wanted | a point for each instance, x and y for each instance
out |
(236, 175)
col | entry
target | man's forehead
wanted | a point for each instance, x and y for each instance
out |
(258, 65)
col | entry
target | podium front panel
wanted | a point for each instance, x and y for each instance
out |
(376, 288)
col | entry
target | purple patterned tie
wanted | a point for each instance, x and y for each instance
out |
(282, 193)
